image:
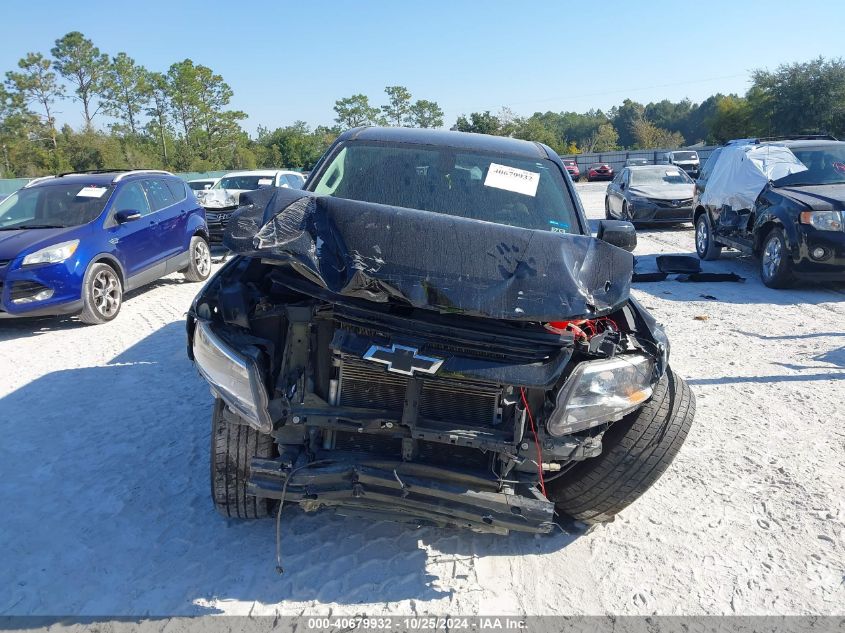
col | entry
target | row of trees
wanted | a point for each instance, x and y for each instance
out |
(399, 110)
(181, 118)
(176, 119)
(796, 98)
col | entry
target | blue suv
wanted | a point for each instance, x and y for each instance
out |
(75, 243)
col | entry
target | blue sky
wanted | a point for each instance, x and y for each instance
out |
(291, 60)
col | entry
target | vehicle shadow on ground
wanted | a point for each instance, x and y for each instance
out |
(736, 380)
(22, 327)
(106, 470)
(34, 326)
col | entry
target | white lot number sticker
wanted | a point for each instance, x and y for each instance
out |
(91, 192)
(512, 179)
(265, 181)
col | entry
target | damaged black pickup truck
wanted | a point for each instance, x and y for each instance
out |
(429, 333)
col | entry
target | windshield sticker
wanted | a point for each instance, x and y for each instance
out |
(265, 181)
(91, 192)
(558, 227)
(840, 167)
(512, 179)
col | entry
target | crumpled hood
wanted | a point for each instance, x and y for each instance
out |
(818, 197)
(15, 242)
(664, 192)
(431, 260)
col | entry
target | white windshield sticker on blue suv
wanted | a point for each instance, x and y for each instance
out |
(512, 179)
(558, 227)
(91, 192)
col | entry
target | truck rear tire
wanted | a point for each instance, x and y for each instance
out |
(636, 451)
(233, 445)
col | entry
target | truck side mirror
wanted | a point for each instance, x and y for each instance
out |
(618, 233)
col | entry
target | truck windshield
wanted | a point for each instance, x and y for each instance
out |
(53, 206)
(529, 193)
(825, 166)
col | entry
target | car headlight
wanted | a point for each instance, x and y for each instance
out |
(823, 220)
(638, 200)
(234, 377)
(54, 254)
(600, 391)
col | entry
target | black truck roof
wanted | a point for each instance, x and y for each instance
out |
(447, 138)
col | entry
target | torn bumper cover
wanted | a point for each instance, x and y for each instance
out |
(406, 492)
(431, 260)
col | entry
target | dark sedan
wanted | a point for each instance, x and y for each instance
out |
(600, 171)
(650, 193)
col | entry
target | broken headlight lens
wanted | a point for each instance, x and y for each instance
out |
(235, 378)
(600, 391)
(823, 220)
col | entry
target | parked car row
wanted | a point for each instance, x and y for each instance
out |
(687, 160)
(781, 200)
(76, 243)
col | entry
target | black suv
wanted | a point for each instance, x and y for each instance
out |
(428, 332)
(796, 223)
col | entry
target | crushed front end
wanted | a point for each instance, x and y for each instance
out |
(381, 404)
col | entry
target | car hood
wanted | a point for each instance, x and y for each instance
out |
(432, 260)
(817, 197)
(15, 242)
(664, 192)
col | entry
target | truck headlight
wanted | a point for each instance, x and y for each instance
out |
(600, 391)
(823, 220)
(54, 254)
(234, 377)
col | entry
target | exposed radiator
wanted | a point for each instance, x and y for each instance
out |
(368, 384)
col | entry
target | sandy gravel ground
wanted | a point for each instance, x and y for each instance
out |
(105, 501)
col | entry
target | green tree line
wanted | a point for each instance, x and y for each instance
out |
(799, 98)
(180, 118)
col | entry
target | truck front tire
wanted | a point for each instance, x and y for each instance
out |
(636, 451)
(233, 445)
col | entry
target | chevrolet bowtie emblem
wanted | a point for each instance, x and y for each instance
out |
(401, 359)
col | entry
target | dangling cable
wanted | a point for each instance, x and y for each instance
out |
(279, 568)
(536, 441)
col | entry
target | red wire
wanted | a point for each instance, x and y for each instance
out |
(536, 441)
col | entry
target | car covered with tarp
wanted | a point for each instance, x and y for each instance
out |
(781, 200)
